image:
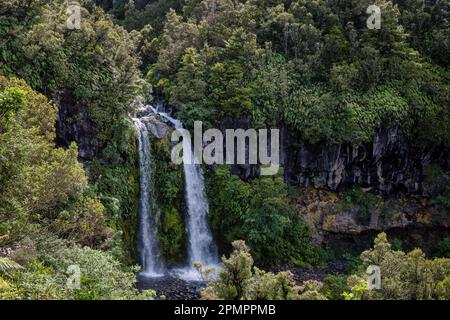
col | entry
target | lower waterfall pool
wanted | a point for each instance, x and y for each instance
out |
(171, 287)
(180, 283)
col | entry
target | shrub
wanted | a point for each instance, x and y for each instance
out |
(334, 286)
(260, 213)
(85, 223)
(103, 277)
(39, 282)
(443, 248)
(36, 177)
(235, 274)
(239, 280)
(403, 276)
(8, 291)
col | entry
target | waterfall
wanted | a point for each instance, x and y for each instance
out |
(201, 245)
(149, 253)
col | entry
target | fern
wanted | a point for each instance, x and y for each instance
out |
(8, 266)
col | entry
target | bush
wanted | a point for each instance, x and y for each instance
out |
(36, 177)
(85, 223)
(443, 248)
(39, 282)
(403, 276)
(7, 291)
(238, 280)
(364, 201)
(103, 277)
(334, 286)
(260, 213)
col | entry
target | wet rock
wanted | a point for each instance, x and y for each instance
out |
(158, 128)
(171, 288)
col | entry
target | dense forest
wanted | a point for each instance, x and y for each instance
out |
(365, 127)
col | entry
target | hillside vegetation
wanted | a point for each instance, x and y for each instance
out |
(69, 180)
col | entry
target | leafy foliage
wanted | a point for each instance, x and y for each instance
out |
(403, 276)
(169, 191)
(102, 276)
(37, 178)
(239, 280)
(334, 286)
(259, 212)
(311, 65)
(7, 266)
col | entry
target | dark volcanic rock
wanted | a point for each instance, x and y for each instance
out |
(75, 124)
(389, 164)
(171, 288)
(244, 171)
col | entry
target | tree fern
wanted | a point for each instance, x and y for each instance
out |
(8, 266)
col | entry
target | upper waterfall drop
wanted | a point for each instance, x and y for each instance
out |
(149, 249)
(201, 244)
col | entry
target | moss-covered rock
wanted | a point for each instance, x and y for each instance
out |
(169, 194)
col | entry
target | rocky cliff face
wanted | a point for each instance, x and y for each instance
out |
(338, 222)
(389, 170)
(74, 124)
(389, 164)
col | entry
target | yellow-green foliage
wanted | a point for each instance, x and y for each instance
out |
(238, 280)
(41, 182)
(102, 277)
(8, 292)
(403, 276)
(85, 222)
(234, 276)
(36, 176)
(172, 234)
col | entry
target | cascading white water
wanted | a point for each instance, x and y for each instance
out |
(201, 245)
(149, 252)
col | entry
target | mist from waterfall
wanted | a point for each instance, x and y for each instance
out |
(148, 243)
